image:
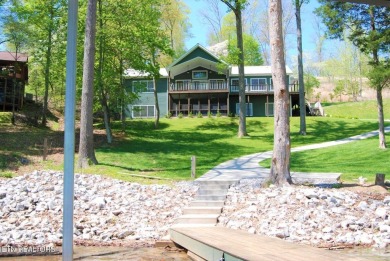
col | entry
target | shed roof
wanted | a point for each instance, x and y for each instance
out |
(9, 56)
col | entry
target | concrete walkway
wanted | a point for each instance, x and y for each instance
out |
(247, 167)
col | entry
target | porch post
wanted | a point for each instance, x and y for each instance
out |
(179, 106)
(5, 93)
(208, 99)
(266, 107)
(228, 105)
(188, 100)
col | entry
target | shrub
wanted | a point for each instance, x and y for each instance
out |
(219, 114)
(180, 115)
(199, 115)
(190, 115)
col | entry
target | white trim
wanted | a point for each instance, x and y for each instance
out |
(267, 109)
(147, 111)
(260, 87)
(236, 86)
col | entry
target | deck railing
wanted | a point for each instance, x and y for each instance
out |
(198, 86)
(261, 88)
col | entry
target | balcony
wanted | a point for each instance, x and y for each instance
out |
(266, 88)
(199, 86)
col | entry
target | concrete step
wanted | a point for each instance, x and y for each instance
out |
(202, 210)
(208, 191)
(210, 197)
(192, 225)
(214, 182)
(197, 219)
(207, 203)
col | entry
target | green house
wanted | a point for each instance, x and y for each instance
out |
(196, 83)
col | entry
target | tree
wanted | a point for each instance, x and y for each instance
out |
(369, 30)
(280, 166)
(302, 102)
(213, 16)
(86, 146)
(311, 82)
(175, 23)
(44, 27)
(237, 6)
(252, 54)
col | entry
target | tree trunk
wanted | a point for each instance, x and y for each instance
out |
(302, 103)
(241, 80)
(157, 118)
(280, 166)
(382, 137)
(86, 146)
(47, 72)
(106, 116)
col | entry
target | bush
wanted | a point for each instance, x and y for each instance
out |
(219, 114)
(169, 115)
(5, 117)
(180, 115)
(190, 115)
(209, 114)
(199, 115)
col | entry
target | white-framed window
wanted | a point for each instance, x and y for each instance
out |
(258, 84)
(249, 109)
(143, 86)
(234, 84)
(200, 75)
(271, 86)
(143, 111)
(269, 109)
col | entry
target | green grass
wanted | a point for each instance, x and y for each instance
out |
(359, 158)
(357, 110)
(166, 152)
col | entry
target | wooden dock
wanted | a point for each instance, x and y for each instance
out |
(219, 243)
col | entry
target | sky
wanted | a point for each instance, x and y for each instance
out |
(199, 28)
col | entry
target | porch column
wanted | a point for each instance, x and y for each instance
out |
(188, 100)
(179, 107)
(5, 93)
(266, 107)
(198, 105)
(169, 103)
(208, 99)
(228, 105)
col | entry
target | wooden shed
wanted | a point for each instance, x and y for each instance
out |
(13, 78)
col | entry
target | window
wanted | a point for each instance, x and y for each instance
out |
(234, 85)
(258, 84)
(249, 109)
(143, 111)
(269, 109)
(199, 75)
(143, 86)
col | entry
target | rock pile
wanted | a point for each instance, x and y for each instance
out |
(105, 210)
(316, 216)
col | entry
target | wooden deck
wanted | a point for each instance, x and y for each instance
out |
(215, 243)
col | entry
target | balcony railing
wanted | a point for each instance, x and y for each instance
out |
(199, 86)
(261, 88)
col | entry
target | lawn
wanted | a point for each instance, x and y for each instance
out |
(357, 110)
(359, 158)
(166, 152)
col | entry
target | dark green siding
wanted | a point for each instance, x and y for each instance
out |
(211, 74)
(198, 52)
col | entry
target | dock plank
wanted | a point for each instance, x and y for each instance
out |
(244, 246)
